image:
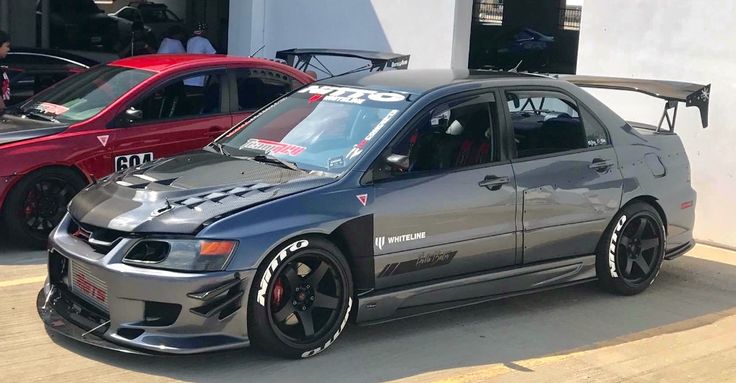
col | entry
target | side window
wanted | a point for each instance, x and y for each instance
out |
(594, 131)
(545, 123)
(457, 134)
(190, 96)
(257, 87)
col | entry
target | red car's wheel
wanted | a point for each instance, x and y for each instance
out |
(38, 203)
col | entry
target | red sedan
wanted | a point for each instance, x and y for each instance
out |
(120, 115)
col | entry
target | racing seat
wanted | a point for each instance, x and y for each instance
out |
(250, 93)
(560, 134)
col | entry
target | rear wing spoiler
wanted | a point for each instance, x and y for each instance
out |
(672, 92)
(303, 59)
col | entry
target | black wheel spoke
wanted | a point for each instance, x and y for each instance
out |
(305, 319)
(629, 265)
(316, 276)
(623, 241)
(325, 301)
(292, 277)
(640, 228)
(648, 244)
(284, 313)
(643, 265)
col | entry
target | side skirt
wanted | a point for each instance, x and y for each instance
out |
(388, 305)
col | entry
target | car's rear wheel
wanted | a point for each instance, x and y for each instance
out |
(301, 299)
(38, 203)
(632, 250)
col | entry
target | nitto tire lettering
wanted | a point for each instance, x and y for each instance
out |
(334, 337)
(612, 246)
(263, 286)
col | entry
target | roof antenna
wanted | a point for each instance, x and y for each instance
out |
(259, 49)
(516, 68)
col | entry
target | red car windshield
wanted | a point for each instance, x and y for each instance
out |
(318, 128)
(84, 95)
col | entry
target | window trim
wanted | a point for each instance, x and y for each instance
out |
(368, 177)
(118, 123)
(513, 156)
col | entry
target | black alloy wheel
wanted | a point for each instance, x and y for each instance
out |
(639, 246)
(305, 300)
(631, 251)
(38, 203)
(301, 299)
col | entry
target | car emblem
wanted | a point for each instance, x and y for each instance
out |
(363, 198)
(380, 241)
(103, 140)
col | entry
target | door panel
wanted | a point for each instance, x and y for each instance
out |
(566, 204)
(443, 225)
(165, 138)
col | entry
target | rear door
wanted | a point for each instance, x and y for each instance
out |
(453, 211)
(566, 171)
(178, 115)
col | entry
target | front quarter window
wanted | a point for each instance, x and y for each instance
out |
(318, 128)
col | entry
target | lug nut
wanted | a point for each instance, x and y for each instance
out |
(294, 303)
(304, 308)
(311, 298)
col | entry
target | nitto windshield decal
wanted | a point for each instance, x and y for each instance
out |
(350, 95)
(273, 147)
(358, 148)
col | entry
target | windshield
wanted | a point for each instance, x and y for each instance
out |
(318, 128)
(84, 95)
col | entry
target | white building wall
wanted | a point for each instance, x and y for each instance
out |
(691, 41)
(436, 33)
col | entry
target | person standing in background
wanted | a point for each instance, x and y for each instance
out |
(141, 42)
(172, 42)
(4, 49)
(199, 44)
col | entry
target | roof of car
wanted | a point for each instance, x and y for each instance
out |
(419, 80)
(163, 62)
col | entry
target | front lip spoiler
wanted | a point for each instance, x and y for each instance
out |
(54, 321)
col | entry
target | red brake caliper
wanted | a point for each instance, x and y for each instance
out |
(278, 293)
(30, 205)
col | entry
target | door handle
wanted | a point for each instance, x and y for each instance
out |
(600, 164)
(494, 182)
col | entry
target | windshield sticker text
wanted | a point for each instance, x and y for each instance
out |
(273, 147)
(350, 95)
(358, 148)
(53, 109)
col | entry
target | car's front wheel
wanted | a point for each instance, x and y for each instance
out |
(301, 299)
(38, 203)
(632, 250)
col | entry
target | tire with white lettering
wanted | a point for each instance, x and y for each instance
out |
(301, 299)
(631, 251)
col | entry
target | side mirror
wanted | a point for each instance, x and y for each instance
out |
(398, 162)
(133, 114)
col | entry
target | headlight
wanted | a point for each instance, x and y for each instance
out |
(181, 254)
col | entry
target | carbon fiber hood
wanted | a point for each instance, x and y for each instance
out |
(179, 194)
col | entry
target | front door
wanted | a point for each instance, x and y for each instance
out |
(567, 174)
(452, 209)
(180, 115)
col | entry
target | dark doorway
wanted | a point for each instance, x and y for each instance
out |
(530, 35)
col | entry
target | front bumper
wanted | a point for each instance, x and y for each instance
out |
(144, 311)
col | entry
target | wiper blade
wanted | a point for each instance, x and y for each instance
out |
(219, 147)
(44, 117)
(277, 161)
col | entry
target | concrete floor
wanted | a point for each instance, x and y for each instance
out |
(681, 329)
